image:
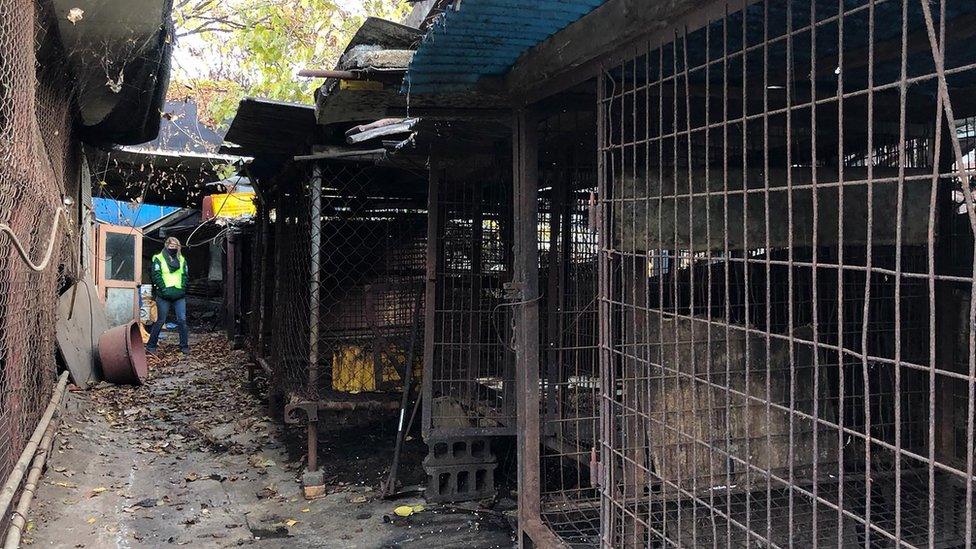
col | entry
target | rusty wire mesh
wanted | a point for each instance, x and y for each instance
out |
(787, 230)
(262, 283)
(39, 161)
(470, 359)
(569, 372)
(368, 285)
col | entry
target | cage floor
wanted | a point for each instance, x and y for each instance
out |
(769, 519)
(576, 523)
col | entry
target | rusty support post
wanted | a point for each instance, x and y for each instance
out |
(430, 301)
(315, 241)
(230, 286)
(525, 200)
(477, 281)
(603, 315)
(314, 482)
(262, 280)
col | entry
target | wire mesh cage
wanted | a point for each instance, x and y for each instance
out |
(569, 371)
(40, 161)
(787, 233)
(469, 382)
(262, 284)
(343, 314)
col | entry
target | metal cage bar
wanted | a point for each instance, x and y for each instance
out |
(786, 287)
(469, 378)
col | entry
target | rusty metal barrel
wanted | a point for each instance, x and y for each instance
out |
(123, 355)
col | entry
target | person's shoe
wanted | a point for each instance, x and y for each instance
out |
(185, 350)
(151, 350)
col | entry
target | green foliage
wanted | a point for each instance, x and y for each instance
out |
(257, 46)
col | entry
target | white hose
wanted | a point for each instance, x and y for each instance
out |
(38, 267)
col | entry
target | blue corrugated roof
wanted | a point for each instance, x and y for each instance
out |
(485, 37)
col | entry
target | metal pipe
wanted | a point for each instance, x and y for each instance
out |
(390, 487)
(327, 73)
(315, 197)
(19, 518)
(20, 468)
(339, 406)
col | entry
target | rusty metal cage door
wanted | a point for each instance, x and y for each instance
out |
(569, 366)
(786, 278)
(469, 376)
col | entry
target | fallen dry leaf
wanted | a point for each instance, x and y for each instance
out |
(257, 460)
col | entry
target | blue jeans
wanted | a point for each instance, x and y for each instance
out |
(162, 311)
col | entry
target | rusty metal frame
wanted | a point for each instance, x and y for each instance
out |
(467, 360)
(525, 148)
(888, 460)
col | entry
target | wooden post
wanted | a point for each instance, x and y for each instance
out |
(262, 299)
(525, 150)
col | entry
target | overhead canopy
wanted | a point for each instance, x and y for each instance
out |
(158, 177)
(118, 52)
(263, 127)
(484, 38)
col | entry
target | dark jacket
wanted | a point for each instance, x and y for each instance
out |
(159, 289)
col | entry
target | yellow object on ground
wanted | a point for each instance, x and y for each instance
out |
(403, 511)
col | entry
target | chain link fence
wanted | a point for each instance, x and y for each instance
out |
(337, 317)
(39, 162)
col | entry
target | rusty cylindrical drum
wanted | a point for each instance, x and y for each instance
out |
(123, 355)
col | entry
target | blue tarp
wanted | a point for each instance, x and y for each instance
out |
(115, 212)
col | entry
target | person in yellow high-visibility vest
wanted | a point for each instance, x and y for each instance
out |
(169, 280)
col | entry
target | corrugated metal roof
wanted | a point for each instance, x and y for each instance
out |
(485, 37)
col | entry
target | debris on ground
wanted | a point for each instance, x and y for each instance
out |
(192, 458)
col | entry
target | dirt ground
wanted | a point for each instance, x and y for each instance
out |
(191, 458)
